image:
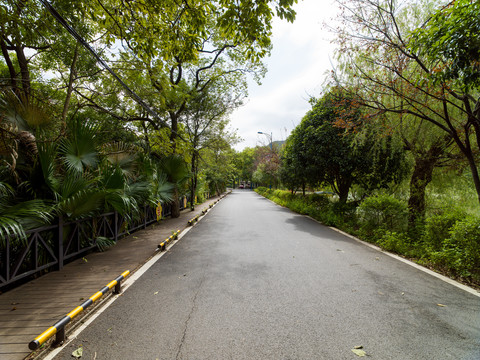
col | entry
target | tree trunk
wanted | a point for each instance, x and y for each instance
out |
(173, 140)
(71, 79)
(10, 66)
(343, 189)
(194, 180)
(475, 175)
(175, 204)
(24, 71)
(421, 177)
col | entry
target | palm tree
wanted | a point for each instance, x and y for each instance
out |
(178, 174)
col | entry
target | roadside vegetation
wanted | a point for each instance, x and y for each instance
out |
(389, 151)
(448, 241)
(392, 143)
(113, 105)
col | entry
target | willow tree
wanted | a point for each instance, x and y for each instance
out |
(391, 68)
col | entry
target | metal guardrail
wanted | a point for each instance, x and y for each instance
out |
(58, 328)
(54, 245)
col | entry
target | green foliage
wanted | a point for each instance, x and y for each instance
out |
(450, 39)
(322, 149)
(382, 211)
(395, 242)
(16, 217)
(438, 226)
(461, 251)
(103, 243)
(78, 148)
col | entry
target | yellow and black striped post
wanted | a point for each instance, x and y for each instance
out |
(162, 245)
(59, 327)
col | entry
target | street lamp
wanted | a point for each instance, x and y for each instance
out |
(268, 136)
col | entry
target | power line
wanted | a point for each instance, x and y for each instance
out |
(86, 45)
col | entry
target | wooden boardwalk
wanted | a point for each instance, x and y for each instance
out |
(27, 311)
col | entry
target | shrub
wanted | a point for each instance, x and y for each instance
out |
(395, 242)
(383, 211)
(319, 200)
(437, 228)
(461, 251)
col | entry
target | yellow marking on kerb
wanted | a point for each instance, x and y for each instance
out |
(75, 312)
(96, 296)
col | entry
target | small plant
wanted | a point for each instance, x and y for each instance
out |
(437, 228)
(103, 243)
(461, 251)
(382, 211)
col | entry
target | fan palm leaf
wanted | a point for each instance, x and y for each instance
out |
(78, 150)
(15, 218)
(176, 169)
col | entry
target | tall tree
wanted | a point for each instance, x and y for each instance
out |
(341, 158)
(204, 120)
(391, 69)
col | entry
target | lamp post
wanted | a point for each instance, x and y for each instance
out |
(268, 136)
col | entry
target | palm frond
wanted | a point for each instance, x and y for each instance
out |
(47, 153)
(79, 148)
(16, 218)
(162, 189)
(176, 169)
(82, 204)
(124, 156)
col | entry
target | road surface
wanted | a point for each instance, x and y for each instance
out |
(253, 280)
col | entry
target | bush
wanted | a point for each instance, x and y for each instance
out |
(461, 251)
(395, 242)
(382, 211)
(262, 190)
(437, 228)
(320, 200)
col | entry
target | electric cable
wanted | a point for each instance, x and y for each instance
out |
(87, 46)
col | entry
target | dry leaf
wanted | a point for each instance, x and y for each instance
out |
(77, 354)
(358, 347)
(441, 305)
(155, 293)
(359, 352)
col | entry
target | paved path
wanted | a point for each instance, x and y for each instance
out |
(28, 310)
(255, 281)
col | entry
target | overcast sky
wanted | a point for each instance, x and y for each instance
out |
(301, 56)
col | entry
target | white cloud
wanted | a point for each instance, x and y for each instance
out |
(296, 70)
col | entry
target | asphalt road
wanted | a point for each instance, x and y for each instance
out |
(253, 280)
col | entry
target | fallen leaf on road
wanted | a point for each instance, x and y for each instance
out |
(359, 352)
(155, 293)
(441, 305)
(340, 250)
(358, 347)
(77, 354)
(13, 309)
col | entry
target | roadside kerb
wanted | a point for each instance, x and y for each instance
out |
(172, 237)
(58, 328)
